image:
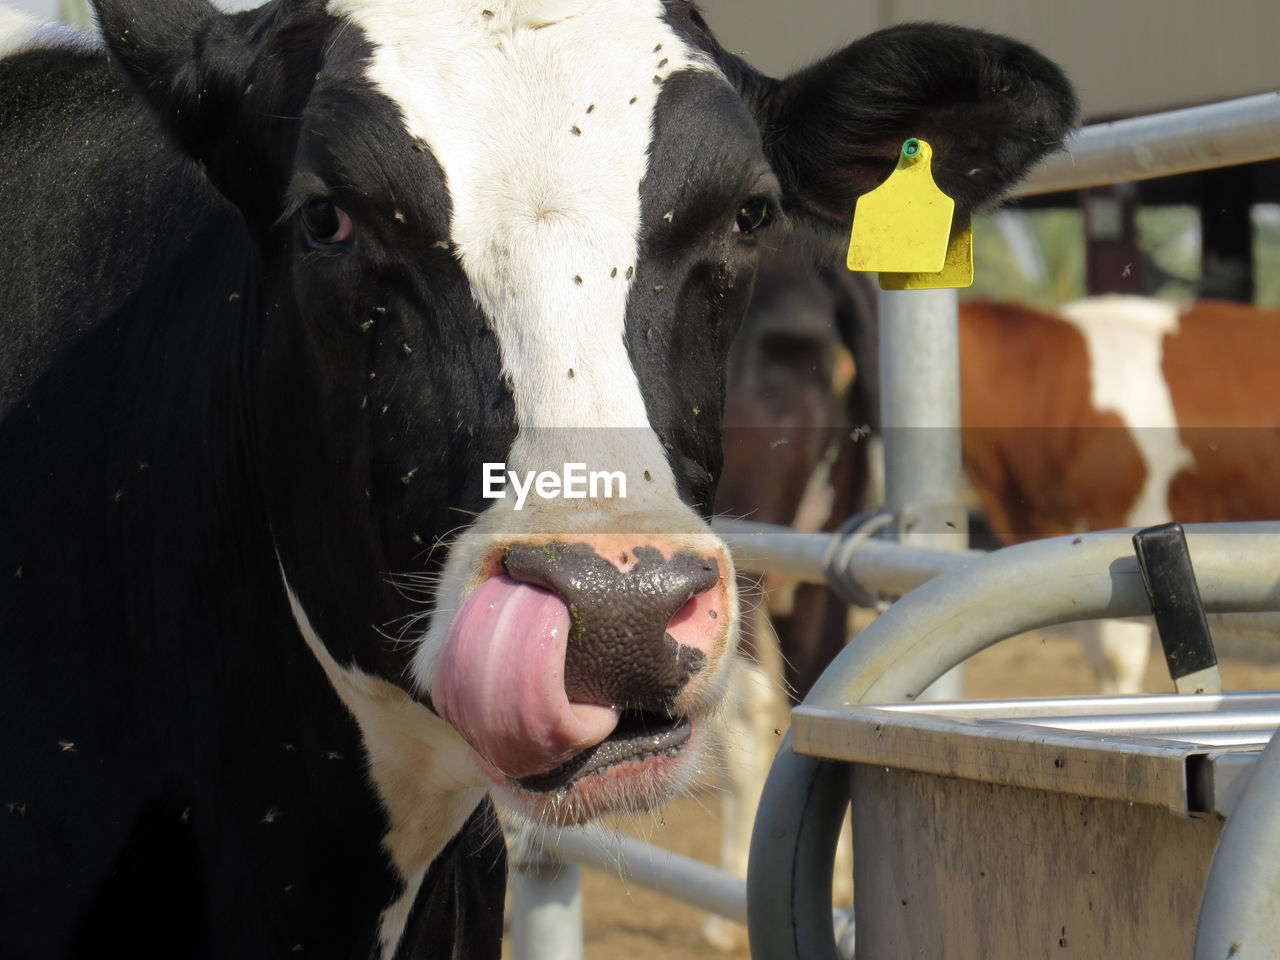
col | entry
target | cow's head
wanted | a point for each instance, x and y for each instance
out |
(523, 233)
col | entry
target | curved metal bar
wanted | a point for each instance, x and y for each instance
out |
(1035, 585)
(1240, 909)
(792, 858)
(938, 626)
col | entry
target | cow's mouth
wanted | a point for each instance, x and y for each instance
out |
(638, 736)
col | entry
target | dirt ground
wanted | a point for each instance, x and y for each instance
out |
(625, 922)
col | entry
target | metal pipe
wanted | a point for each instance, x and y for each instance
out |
(671, 874)
(920, 409)
(1180, 141)
(884, 567)
(1240, 908)
(654, 868)
(941, 624)
(1033, 585)
(546, 909)
(770, 548)
(920, 396)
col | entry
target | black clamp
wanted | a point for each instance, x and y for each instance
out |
(849, 537)
(1171, 586)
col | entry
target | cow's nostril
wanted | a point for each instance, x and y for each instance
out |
(619, 651)
(685, 613)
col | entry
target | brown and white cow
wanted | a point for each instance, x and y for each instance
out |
(1116, 412)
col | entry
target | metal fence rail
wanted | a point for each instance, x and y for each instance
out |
(1162, 144)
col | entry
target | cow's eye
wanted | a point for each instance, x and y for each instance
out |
(325, 223)
(754, 214)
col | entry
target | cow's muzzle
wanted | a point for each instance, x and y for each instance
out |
(575, 656)
(619, 650)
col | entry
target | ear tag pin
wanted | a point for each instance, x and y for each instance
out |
(903, 225)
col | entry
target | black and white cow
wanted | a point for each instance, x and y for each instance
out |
(278, 286)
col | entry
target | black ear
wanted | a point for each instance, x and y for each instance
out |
(989, 106)
(229, 88)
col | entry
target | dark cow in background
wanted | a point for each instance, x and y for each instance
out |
(285, 288)
(796, 398)
(803, 392)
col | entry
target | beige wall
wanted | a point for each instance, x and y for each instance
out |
(1125, 56)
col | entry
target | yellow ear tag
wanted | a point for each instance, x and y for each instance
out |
(903, 225)
(956, 272)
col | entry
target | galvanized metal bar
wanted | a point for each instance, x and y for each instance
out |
(941, 624)
(1223, 781)
(891, 569)
(1168, 754)
(1192, 710)
(1247, 726)
(920, 404)
(1158, 145)
(546, 909)
(1019, 755)
(675, 876)
(1033, 585)
(1240, 909)
(920, 410)
(655, 868)
(792, 857)
(888, 568)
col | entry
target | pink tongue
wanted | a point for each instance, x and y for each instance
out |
(500, 680)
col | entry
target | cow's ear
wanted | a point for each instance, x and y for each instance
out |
(989, 106)
(229, 88)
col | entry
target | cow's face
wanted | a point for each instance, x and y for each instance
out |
(521, 234)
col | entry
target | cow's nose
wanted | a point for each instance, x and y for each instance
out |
(621, 651)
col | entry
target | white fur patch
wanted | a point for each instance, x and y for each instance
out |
(21, 31)
(541, 115)
(1124, 337)
(423, 771)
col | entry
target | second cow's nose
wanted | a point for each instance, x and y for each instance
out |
(619, 650)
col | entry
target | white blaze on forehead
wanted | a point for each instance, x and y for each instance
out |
(1125, 341)
(541, 116)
